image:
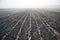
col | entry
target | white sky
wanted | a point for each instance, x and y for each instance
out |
(29, 3)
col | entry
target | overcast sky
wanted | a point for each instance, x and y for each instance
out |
(29, 3)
